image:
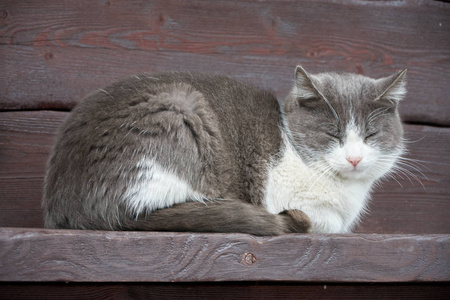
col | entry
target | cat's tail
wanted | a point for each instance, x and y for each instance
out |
(223, 216)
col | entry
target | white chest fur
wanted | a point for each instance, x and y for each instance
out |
(333, 204)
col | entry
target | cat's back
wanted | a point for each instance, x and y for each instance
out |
(218, 113)
(226, 98)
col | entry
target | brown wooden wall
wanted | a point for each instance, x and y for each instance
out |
(53, 53)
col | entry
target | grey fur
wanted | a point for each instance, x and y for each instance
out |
(217, 134)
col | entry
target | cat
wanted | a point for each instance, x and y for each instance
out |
(207, 153)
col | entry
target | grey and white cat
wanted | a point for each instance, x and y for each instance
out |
(184, 152)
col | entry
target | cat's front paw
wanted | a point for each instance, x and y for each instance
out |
(298, 221)
(327, 222)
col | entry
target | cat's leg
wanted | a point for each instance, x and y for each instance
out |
(223, 216)
(325, 214)
(324, 219)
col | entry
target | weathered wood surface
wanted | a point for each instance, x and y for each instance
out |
(223, 290)
(95, 256)
(53, 53)
(397, 207)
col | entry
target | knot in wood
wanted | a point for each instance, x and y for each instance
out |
(249, 259)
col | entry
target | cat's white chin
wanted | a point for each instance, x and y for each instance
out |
(355, 174)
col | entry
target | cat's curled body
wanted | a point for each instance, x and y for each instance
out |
(184, 152)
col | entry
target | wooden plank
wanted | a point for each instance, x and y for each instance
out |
(96, 256)
(223, 290)
(53, 53)
(397, 207)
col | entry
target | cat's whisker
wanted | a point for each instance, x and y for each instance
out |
(399, 171)
(401, 161)
(320, 167)
(414, 162)
(408, 174)
(405, 140)
(410, 165)
(415, 177)
(392, 176)
(402, 175)
(324, 173)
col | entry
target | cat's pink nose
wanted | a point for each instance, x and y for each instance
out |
(354, 160)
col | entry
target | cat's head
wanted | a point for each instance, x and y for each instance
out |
(346, 124)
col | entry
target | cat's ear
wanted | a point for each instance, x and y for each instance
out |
(393, 88)
(306, 92)
(304, 85)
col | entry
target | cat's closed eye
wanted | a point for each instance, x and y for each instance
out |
(334, 136)
(370, 136)
(310, 102)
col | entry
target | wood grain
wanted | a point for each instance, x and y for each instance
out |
(25, 142)
(53, 53)
(401, 206)
(95, 256)
(224, 290)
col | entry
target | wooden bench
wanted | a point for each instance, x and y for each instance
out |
(53, 53)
